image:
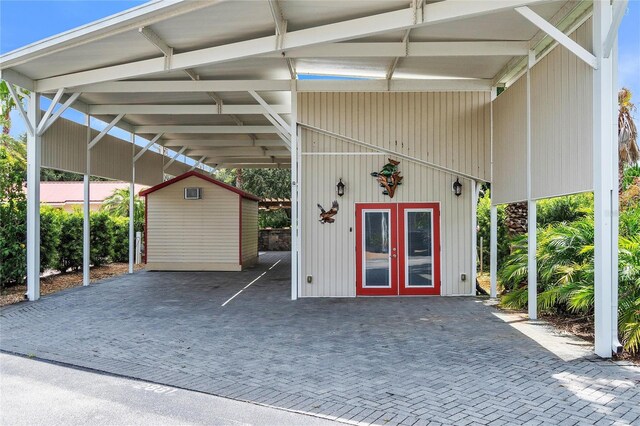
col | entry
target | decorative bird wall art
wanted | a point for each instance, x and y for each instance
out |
(389, 177)
(327, 216)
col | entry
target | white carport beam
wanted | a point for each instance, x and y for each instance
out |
(410, 50)
(215, 143)
(186, 109)
(619, 9)
(154, 39)
(204, 129)
(174, 158)
(47, 113)
(28, 124)
(146, 147)
(105, 130)
(434, 13)
(270, 111)
(198, 163)
(58, 113)
(558, 36)
(253, 166)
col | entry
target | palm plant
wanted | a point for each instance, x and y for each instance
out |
(117, 204)
(628, 151)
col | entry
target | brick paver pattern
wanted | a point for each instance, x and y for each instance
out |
(388, 361)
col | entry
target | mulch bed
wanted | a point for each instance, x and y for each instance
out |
(61, 281)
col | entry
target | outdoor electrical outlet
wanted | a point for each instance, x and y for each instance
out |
(463, 277)
(309, 279)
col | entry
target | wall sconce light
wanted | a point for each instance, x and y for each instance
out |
(457, 187)
(340, 188)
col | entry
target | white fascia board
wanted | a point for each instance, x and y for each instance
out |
(413, 49)
(130, 19)
(204, 129)
(383, 85)
(184, 86)
(185, 109)
(340, 31)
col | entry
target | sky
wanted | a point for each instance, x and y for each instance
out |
(47, 18)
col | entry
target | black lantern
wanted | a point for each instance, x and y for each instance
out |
(457, 187)
(340, 188)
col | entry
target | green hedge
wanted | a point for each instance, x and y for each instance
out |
(60, 240)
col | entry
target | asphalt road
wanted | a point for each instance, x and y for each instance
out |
(40, 393)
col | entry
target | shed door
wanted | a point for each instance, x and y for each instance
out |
(397, 249)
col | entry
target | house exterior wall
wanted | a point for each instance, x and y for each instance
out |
(249, 232)
(561, 128)
(64, 147)
(193, 234)
(449, 129)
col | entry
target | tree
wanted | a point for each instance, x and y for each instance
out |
(117, 204)
(7, 103)
(628, 151)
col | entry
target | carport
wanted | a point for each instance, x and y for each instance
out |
(386, 361)
(426, 94)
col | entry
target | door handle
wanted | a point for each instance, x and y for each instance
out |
(394, 255)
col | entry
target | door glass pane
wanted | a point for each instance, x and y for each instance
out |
(419, 247)
(377, 263)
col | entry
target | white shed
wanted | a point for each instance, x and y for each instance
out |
(196, 223)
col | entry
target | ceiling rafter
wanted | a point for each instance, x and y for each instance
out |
(402, 19)
(281, 31)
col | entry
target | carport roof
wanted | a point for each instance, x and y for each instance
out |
(190, 71)
(193, 173)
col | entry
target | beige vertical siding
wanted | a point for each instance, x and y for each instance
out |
(451, 129)
(561, 128)
(193, 234)
(64, 147)
(561, 114)
(249, 232)
(509, 182)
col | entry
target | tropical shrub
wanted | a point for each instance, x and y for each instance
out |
(102, 239)
(50, 233)
(120, 238)
(565, 255)
(13, 210)
(484, 230)
(70, 248)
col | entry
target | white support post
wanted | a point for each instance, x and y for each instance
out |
(493, 249)
(294, 193)
(532, 263)
(86, 212)
(34, 151)
(132, 246)
(475, 187)
(605, 157)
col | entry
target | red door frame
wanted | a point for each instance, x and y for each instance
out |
(435, 250)
(397, 247)
(373, 291)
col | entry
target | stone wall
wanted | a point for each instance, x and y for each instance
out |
(274, 240)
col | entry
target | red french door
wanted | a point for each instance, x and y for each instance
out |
(397, 249)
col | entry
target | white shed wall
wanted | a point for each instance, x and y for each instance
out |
(193, 234)
(249, 232)
(451, 129)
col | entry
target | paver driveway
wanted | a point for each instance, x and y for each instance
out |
(384, 361)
